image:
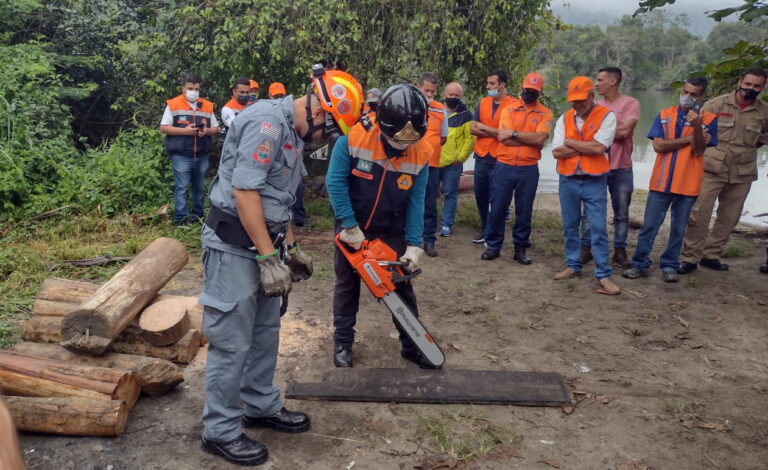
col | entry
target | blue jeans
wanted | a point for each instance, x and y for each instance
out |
(430, 205)
(620, 187)
(591, 192)
(482, 185)
(188, 171)
(450, 176)
(655, 212)
(511, 181)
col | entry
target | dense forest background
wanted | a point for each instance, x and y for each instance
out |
(83, 82)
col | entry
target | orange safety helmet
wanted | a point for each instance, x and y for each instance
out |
(340, 95)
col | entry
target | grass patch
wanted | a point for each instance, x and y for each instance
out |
(466, 213)
(681, 408)
(737, 248)
(319, 213)
(34, 251)
(465, 436)
(547, 233)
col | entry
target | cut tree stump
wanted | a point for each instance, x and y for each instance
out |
(164, 322)
(104, 315)
(40, 377)
(157, 376)
(47, 329)
(60, 297)
(68, 416)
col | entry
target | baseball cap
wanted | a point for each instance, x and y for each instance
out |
(373, 95)
(533, 80)
(277, 88)
(579, 88)
(253, 84)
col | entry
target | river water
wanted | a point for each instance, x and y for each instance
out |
(756, 207)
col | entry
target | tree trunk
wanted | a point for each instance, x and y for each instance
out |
(165, 322)
(157, 376)
(59, 297)
(48, 330)
(39, 377)
(103, 316)
(69, 416)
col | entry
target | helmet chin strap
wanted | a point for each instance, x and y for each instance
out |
(330, 130)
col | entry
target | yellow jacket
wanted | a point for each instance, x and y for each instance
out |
(459, 144)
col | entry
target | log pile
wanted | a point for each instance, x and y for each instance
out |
(90, 350)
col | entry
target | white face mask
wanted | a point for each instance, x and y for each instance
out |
(192, 95)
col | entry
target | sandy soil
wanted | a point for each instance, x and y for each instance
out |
(664, 376)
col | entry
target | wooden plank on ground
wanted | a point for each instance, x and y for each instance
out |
(437, 386)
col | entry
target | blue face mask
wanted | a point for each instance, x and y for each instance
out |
(493, 93)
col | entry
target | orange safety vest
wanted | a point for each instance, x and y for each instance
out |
(594, 165)
(436, 113)
(680, 171)
(234, 104)
(489, 145)
(521, 118)
(183, 115)
(380, 187)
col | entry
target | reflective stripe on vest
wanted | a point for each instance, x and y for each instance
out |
(489, 145)
(184, 115)
(679, 171)
(591, 164)
(523, 120)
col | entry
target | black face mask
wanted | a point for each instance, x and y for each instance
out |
(749, 94)
(529, 96)
(243, 99)
(452, 103)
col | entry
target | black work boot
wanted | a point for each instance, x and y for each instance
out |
(429, 249)
(342, 356)
(713, 264)
(241, 450)
(283, 421)
(520, 256)
(490, 254)
(586, 254)
(419, 359)
(620, 258)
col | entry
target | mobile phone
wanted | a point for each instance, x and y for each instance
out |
(696, 108)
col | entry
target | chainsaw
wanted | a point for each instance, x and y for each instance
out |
(377, 265)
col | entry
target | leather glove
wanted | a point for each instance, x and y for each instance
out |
(300, 264)
(411, 258)
(275, 275)
(352, 236)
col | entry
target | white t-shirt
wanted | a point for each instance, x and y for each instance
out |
(228, 114)
(604, 135)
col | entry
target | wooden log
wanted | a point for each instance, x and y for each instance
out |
(68, 416)
(105, 314)
(40, 377)
(164, 322)
(60, 297)
(157, 376)
(48, 330)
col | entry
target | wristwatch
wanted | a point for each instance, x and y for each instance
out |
(515, 134)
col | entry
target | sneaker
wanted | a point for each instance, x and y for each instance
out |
(634, 273)
(445, 232)
(479, 237)
(669, 276)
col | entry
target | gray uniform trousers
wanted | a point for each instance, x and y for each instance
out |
(243, 330)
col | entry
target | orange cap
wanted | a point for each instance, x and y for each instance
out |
(533, 80)
(277, 88)
(579, 88)
(253, 84)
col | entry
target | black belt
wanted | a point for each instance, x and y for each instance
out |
(229, 228)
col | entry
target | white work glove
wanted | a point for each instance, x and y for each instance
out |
(352, 236)
(275, 275)
(300, 264)
(411, 258)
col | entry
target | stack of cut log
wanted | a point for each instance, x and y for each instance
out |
(111, 342)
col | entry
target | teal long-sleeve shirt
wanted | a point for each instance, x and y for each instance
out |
(337, 183)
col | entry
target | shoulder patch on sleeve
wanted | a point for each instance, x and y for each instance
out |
(261, 155)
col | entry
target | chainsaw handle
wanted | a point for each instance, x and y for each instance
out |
(346, 250)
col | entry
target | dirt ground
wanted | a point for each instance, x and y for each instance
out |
(664, 376)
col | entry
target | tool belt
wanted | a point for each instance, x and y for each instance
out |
(229, 228)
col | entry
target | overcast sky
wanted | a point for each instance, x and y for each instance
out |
(607, 11)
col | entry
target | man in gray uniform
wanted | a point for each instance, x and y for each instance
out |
(250, 258)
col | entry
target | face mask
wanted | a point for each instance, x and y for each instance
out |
(686, 102)
(192, 95)
(395, 145)
(452, 102)
(243, 99)
(749, 94)
(529, 97)
(493, 93)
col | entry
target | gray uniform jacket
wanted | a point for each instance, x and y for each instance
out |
(262, 152)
